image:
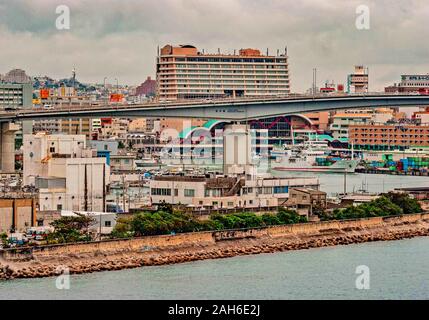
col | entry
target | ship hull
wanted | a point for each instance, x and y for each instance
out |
(314, 169)
(347, 166)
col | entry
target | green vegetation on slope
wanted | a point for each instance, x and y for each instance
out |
(162, 222)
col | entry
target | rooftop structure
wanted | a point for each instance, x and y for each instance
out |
(357, 82)
(410, 83)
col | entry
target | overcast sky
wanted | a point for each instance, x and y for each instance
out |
(119, 38)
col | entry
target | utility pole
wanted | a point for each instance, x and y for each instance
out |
(314, 87)
(123, 191)
(85, 191)
(345, 181)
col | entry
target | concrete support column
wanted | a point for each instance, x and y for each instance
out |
(7, 146)
(27, 127)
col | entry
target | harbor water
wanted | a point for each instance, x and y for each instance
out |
(397, 270)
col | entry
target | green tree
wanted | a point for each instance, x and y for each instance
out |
(70, 229)
(287, 216)
(122, 228)
(379, 207)
(270, 219)
(405, 202)
(3, 238)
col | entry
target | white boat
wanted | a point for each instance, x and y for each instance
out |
(313, 145)
(146, 162)
(313, 161)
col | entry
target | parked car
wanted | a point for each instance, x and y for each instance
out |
(17, 239)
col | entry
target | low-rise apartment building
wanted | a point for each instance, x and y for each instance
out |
(218, 192)
(388, 137)
(16, 95)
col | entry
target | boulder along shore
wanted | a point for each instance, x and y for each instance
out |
(119, 254)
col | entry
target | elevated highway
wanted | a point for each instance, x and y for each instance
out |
(224, 109)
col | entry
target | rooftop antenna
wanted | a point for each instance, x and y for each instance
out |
(286, 51)
(267, 51)
(234, 52)
(218, 50)
(278, 52)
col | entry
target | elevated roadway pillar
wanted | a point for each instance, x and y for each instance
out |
(7, 146)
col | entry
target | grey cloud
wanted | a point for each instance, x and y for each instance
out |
(119, 38)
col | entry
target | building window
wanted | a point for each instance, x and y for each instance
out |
(189, 193)
(59, 206)
(107, 223)
(281, 189)
(160, 192)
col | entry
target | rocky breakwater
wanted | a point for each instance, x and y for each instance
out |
(121, 255)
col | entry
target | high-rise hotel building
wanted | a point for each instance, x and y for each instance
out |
(185, 73)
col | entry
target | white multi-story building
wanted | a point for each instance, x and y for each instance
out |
(358, 81)
(69, 176)
(225, 192)
(16, 95)
(185, 73)
(341, 122)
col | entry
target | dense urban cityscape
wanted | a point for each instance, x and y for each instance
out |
(214, 155)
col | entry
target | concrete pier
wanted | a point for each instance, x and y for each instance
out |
(7, 146)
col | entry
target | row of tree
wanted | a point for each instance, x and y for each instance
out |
(168, 221)
(389, 204)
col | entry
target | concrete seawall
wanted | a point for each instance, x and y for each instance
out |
(42, 261)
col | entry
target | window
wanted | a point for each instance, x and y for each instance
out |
(52, 149)
(230, 204)
(160, 192)
(107, 223)
(189, 193)
(281, 189)
(59, 206)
